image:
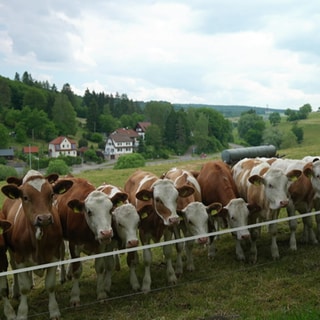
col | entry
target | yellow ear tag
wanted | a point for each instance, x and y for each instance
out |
(144, 215)
(11, 196)
(256, 183)
(76, 210)
(61, 191)
(119, 203)
(1, 230)
(180, 218)
(145, 198)
(213, 212)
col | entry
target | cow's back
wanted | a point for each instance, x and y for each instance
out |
(216, 183)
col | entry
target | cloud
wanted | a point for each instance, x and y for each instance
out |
(221, 52)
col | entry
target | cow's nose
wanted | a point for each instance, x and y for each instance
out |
(174, 221)
(106, 234)
(132, 243)
(43, 220)
(203, 240)
(284, 203)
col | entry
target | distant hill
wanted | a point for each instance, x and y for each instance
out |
(230, 111)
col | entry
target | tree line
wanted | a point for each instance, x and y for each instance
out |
(31, 109)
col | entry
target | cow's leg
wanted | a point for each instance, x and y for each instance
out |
(132, 261)
(4, 293)
(239, 251)
(109, 267)
(62, 268)
(25, 284)
(273, 230)
(292, 226)
(254, 234)
(146, 282)
(99, 266)
(318, 225)
(50, 282)
(190, 263)
(167, 251)
(309, 235)
(179, 248)
(74, 272)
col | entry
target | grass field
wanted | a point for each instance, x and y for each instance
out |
(219, 289)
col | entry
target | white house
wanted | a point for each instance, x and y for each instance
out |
(141, 128)
(62, 146)
(120, 142)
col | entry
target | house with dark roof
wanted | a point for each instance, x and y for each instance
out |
(141, 128)
(121, 142)
(63, 146)
(8, 154)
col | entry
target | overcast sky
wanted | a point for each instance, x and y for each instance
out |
(248, 52)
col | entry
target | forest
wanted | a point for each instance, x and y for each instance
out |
(32, 111)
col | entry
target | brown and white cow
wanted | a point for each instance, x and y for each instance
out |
(314, 174)
(4, 288)
(260, 184)
(304, 192)
(125, 222)
(36, 234)
(85, 215)
(156, 202)
(194, 215)
(217, 185)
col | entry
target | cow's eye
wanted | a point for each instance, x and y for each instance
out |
(25, 198)
(190, 222)
(270, 186)
(158, 200)
(120, 225)
(89, 212)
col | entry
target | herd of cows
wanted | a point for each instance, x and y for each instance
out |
(41, 215)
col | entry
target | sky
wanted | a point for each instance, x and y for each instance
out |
(222, 52)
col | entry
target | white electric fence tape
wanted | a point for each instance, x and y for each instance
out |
(155, 245)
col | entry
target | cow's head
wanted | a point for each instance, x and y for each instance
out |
(276, 185)
(195, 217)
(36, 194)
(164, 197)
(312, 171)
(126, 221)
(96, 209)
(239, 214)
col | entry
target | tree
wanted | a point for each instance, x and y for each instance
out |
(272, 136)
(298, 132)
(251, 127)
(64, 116)
(134, 160)
(35, 98)
(153, 136)
(4, 136)
(274, 118)
(57, 166)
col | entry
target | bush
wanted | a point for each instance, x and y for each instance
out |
(134, 160)
(58, 166)
(7, 171)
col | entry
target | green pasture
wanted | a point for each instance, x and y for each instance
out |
(219, 289)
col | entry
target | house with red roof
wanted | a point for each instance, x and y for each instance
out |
(120, 142)
(63, 146)
(141, 128)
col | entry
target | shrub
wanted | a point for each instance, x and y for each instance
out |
(58, 166)
(7, 171)
(134, 160)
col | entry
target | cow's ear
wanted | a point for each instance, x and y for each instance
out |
(256, 180)
(14, 180)
(62, 186)
(119, 198)
(52, 177)
(308, 172)
(253, 208)
(185, 191)
(76, 205)
(144, 195)
(293, 175)
(214, 208)
(5, 225)
(11, 191)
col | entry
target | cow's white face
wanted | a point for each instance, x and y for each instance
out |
(276, 188)
(126, 221)
(165, 197)
(237, 216)
(98, 216)
(196, 220)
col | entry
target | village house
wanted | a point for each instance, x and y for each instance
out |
(62, 146)
(121, 142)
(141, 128)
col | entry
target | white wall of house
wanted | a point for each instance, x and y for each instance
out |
(65, 148)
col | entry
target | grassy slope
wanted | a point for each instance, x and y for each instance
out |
(284, 289)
